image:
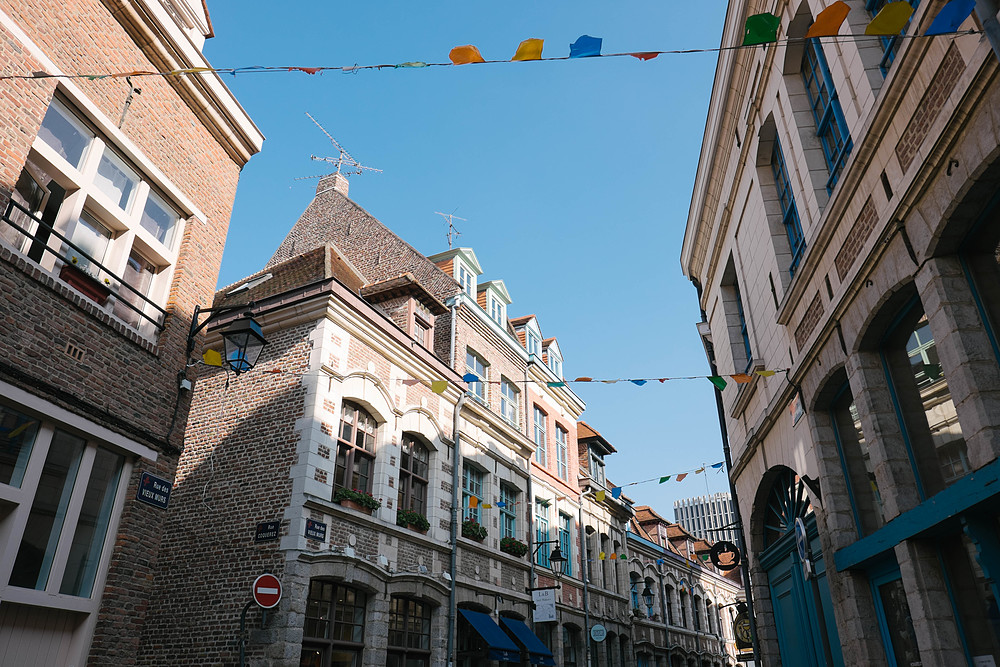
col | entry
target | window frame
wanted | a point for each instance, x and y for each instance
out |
(409, 478)
(508, 513)
(510, 400)
(473, 484)
(890, 43)
(831, 125)
(404, 651)
(353, 451)
(332, 619)
(562, 452)
(540, 434)
(789, 211)
(566, 542)
(542, 532)
(476, 364)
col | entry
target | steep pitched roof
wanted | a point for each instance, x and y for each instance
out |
(372, 247)
(585, 430)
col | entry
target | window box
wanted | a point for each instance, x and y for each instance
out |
(514, 547)
(474, 530)
(414, 521)
(86, 284)
(356, 500)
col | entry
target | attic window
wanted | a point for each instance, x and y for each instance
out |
(250, 284)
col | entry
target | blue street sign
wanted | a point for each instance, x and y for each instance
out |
(315, 530)
(153, 491)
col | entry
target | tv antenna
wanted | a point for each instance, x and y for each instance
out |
(342, 160)
(451, 218)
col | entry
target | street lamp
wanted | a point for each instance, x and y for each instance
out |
(243, 339)
(647, 597)
(557, 561)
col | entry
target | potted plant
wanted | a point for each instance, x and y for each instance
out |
(80, 278)
(473, 530)
(412, 520)
(514, 547)
(360, 501)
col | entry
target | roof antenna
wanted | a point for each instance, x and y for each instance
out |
(342, 160)
(451, 218)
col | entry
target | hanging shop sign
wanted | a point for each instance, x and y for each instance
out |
(545, 605)
(744, 637)
(725, 555)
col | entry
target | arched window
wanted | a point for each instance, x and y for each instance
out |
(668, 593)
(334, 629)
(786, 502)
(856, 462)
(413, 466)
(635, 585)
(355, 449)
(928, 418)
(409, 633)
(696, 611)
(684, 611)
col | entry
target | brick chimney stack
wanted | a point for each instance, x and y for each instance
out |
(337, 182)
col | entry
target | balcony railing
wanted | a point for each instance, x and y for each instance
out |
(33, 237)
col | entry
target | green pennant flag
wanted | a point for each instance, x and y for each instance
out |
(555, 384)
(664, 479)
(761, 29)
(719, 382)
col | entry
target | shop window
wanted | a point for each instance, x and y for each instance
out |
(334, 629)
(571, 640)
(355, 449)
(414, 459)
(409, 633)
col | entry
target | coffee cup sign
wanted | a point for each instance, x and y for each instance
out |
(725, 555)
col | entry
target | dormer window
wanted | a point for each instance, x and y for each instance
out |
(597, 467)
(534, 343)
(497, 311)
(465, 279)
(555, 363)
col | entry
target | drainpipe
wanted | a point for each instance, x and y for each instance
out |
(585, 573)
(453, 540)
(663, 611)
(454, 328)
(530, 500)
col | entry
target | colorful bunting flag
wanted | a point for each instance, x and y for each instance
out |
(761, 29)
(680, 477)
(414, 63)
(610, 381)
(699, 471)
(473, 502)
(529, 49)
(828, 22)
(647, 55)
(307, 70)
(501, 503)
(585, 47)
(951, 18)
(622, 556)
(613, 556)
(741, 378)
(891, 19)
(470, 377)
(584, 379)
(718, 382)
(409, 383)
(600, 496)
(719, 464)
(486, 506)
(555, 384)
(665, 479)
(212, 358)
(766, 374)
(616, 492)
(638, 382)
(600, 556)
(438, 386)
(463, 55)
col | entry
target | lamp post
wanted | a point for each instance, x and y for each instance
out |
(243, 339)
(647, 597)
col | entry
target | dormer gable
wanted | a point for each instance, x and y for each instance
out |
(493, 297)
(462, 265)
(529, 333)
(552, 357)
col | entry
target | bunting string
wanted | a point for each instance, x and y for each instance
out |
(760, 30)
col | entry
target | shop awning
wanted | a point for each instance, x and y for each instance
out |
(538, 652)
(501, 647)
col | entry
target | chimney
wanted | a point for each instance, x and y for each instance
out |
(336, 182)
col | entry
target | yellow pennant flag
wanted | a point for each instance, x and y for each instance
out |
(766, 374)
(487, 506)
(600, 496)
(828, 22)
(891, 19)
(529, 49)
(600, 556)
(473, 502)
(438, 386)
(212, 358)
(463, 55)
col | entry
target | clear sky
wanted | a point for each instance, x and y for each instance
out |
(575, 178)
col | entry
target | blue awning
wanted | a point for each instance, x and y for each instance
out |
(538, 652)
(500, 645)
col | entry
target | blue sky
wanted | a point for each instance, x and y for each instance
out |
(574, 176)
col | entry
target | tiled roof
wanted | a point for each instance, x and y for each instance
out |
(520, 321)
(407, 285)
(585, 430)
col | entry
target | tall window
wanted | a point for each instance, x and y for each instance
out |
(497, 311)
(409, 634)
(696, 612)
(744, 331)
(606, 562)
(831, 127)
(562, 453)
(890, 44)
(508, 513)
(597, 467)
(355, 449)
(413, 467)
(789, 213)
(465, 278)
(541, 441)
(472, 487)
(534, 342)
(334, 630)
(474, 364)
(542, 532)
(510, 398)
(566, 542)
(634, 585)
(570, 640)
(555, 363)
(857, 464)
(683, 607)
(668, 594)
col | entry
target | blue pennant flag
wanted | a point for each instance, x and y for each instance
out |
(951, 17)
(616, 492)
(638, 382)
(585, 47)
(470, 377)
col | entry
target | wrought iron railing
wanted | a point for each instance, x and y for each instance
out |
(19, 218)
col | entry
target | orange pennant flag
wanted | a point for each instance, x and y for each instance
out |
(583, 379)
(891, 19)
(828, 23)
(473, 502)
(741, 378)
(680, 477)
(529, 49)
(614, 556)
(463, 55)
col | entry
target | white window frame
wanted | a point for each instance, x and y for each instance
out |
(510, 398)
(497, 310)
(508, 513)
(465, 280)
(562, 452)
(477, 389)
(540, 438)
(555, 363)
(534, 341)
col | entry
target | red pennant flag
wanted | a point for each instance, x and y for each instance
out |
(647, 55)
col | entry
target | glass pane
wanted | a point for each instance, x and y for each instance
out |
(973, 595)
(139, 275)
(345, 658)
(311, 657)
(92, 527)
(65, 134)
(17, 436)
(159, 219)
(892, 599)
(31, 195)
(117, 180)
(45, 521)
(92, 237)
(859, 468)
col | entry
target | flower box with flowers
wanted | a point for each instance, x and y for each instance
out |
(473, 530)
(354, 499)
(413, 520)
(514, 547)
(75, 275)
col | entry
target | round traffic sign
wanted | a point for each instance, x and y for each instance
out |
(598, 632)
(266, 591)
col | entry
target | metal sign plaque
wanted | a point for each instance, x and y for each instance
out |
(315, 530)
(268, 531)
(153, 491)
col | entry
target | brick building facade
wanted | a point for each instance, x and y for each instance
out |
(108, 240)
(851, 236)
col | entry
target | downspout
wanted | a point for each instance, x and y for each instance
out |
(724, 432)
(530, 500)
(453, 540)
(454, 328)
(585, 573)
(663, 611)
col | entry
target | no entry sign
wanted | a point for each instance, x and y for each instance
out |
(267, 591)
